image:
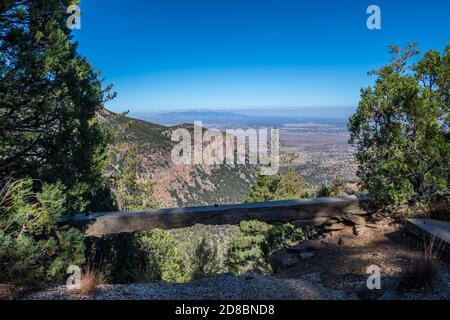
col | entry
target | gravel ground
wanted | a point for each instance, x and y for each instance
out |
(338, 270)
(223, 287)
(441, 291)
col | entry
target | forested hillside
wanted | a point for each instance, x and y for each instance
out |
(175, 185)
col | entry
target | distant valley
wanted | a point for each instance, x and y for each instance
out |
(316, 146)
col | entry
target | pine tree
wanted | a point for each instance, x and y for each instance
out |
(401, 127)
(49, 96)
(287, 185)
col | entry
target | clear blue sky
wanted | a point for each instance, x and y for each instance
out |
(231, 54)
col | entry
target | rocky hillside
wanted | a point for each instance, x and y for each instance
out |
(180, 185)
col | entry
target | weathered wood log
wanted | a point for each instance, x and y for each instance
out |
(429, 228)
(309, 210)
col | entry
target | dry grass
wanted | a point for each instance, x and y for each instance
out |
(423, 271)
(90, 279)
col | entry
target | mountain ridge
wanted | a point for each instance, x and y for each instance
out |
(181, 185)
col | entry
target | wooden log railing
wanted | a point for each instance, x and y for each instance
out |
(299, 212)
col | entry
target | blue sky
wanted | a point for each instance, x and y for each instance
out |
(169, 55)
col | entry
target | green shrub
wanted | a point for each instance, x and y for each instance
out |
(117, 255)
(204, 261)
(31, 250)
(130, 191)
(190, 242)
(336, 189)
(286, 185)
(161, 256)
(245, 252)
(179, 255)
(256, 241)
(281, 237)
(26, 260)
(70, 251)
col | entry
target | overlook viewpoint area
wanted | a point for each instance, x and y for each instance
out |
(354, 235)
(224, 150)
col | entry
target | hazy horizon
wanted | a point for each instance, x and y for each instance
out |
(249, 117)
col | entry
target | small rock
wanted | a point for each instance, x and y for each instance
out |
(128, 292)
(313, 244)
(308, 245)
(399, 226)
(340, 241)
(282, 259)
(306, 255)
(358, 212)
(316, 222)
(335, 227)
(372, 225)
(354, 220)
(333, 220)
(252, 274)
(357, 230)
(296, 249)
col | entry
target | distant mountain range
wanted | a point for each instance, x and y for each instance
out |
(251, 118)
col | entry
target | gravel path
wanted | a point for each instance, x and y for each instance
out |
(223, 287)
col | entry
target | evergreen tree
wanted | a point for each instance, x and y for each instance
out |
(401, 127)
(130, 191)
(282, 186)
(49, 96)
